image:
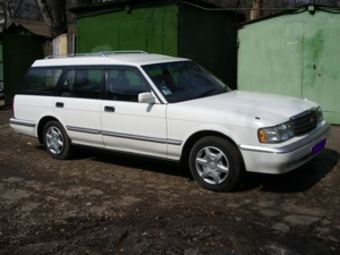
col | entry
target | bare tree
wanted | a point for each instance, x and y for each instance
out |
(3, 15)
(53, 12)
(23, 9)
(256, 10)
(54, 15)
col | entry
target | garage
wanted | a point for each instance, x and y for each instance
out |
(294, 53)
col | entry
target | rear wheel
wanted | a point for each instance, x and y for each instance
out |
(216, 164)
(56, 141)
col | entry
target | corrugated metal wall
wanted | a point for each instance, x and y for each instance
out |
(205, 35)
(295, 53)
(210, 38)
(20, 49)
(153, 29)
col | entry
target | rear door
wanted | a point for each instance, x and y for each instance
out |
(128, 125)
(79, 104)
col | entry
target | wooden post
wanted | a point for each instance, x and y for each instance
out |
(60, 46)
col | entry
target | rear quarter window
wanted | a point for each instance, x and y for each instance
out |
(41, 81)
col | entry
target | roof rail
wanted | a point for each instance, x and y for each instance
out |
(95, 54)
(124, 52)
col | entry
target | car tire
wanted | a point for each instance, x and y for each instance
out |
(56, 141)
(216, 164)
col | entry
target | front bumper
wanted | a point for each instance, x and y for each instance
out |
(279, 159)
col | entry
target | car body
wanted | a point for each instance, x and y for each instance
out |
(167, 108)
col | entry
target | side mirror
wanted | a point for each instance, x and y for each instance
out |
(146, 97)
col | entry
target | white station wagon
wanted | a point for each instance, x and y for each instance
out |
(168, 108)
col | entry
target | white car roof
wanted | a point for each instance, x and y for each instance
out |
(133, 59)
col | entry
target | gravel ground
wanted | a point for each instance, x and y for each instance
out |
(100, 203)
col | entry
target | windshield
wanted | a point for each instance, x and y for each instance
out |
(184, 80)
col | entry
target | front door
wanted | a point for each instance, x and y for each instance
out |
(128, 125)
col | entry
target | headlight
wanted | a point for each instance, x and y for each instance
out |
(276, 134)
(319, 115)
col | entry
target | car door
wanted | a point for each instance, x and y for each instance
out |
(79, 105)
(128, 125)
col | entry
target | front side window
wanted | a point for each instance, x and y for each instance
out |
(184, 80)
(124, 84)
(41, 81)
(84, 83)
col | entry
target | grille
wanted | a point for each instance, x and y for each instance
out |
(304, 122)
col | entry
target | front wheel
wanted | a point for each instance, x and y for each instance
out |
(216, 164)
(56, 141)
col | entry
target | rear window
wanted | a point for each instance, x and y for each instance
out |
(41, 81)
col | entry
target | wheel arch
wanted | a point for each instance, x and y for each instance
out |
(42, 124)
(189, 143)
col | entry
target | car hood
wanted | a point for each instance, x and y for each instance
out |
(241, 107)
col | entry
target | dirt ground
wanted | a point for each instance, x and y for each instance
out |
(100, 203)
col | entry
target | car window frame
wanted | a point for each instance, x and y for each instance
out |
(77, 68)
(23, 85)
(126, 68)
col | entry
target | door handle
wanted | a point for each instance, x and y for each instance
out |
(109, 109)
(59, 104)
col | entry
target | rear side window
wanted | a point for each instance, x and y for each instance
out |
(83, 83)
(41, 81)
